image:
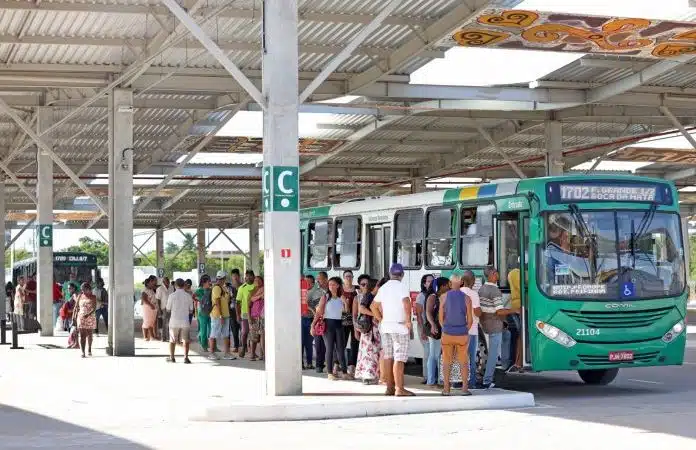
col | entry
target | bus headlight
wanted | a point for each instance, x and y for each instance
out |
(673, 332)
(555, 334)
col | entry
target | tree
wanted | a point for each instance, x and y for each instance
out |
(94, 247)
(19, 255)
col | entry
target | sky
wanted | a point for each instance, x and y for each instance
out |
(461, 66)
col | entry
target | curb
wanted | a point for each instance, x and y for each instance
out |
(342, 407)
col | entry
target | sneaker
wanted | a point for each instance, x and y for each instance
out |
(170, 359)
(213, 357)
(187, 361)
(513, 369)
(229, 357)
(489, 386)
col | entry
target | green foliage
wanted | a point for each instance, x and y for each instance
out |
(19, 255)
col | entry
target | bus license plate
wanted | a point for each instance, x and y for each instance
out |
(620, 356)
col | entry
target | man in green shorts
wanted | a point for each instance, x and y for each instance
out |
(203, 292)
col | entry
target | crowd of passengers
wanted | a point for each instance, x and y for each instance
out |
(372, 321)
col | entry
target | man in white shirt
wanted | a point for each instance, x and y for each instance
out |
(179, 306)
(392, 307)
(163, 291)
(469, 280)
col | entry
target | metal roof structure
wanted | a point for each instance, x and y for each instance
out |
(68, 55)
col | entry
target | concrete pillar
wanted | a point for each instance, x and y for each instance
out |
(3, 296)
(44, 227)
(417, 185)
(159, 252)
(554, 148)
(200, 243)
(280, 189)
(121, 289)
(254, 262)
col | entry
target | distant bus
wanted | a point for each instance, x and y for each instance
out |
(602, 261)
(84, 265)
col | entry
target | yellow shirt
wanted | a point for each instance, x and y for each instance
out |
(514, 282)
(221, 303)
(243, 296)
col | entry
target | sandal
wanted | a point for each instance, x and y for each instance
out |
(466, 393)
(445, 394)
(405, 393)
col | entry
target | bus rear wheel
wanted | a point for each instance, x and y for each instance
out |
(599, 376)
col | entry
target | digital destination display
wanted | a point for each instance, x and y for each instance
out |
(561, 192)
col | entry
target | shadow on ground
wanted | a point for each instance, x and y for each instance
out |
(22, 429)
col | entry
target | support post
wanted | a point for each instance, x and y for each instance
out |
(554, 148)
(121, 286)
(159, 252)
(3, 296)
(254, 257)
(280, 190)
(44, 227)
(417, 185)
(200, 243)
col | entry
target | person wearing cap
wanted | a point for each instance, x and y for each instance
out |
(220, 318)
(179, 305)
(392, 308)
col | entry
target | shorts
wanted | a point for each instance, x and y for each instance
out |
(219, 329)
(177, 334)
(395, 346)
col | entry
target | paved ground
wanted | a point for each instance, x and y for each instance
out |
(644, 408)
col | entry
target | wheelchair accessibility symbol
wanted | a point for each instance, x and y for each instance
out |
(628, 290)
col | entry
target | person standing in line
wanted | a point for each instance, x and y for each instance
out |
(179, 306)
(468, 282)
(256, 320)
(85, 309)
(243, 303)
(57, 303)
(220, 318)
(314, 296)
(351, 336)
(149, 308)
(456, 319)
(30, 297)
(330, 309)
(392, 307)
(307, 340)
(72, 280)
(102, 297)
(493, 314)
(233, 287)
(163, 291)
(433, 328)
(188, 287)
(368, 369)
(425, 291)
(512, 353)
(204, 296)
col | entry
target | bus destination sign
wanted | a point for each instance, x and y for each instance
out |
(575, 192)
(571, 192)
(74, 259)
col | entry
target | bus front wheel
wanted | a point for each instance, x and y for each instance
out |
(598, 376)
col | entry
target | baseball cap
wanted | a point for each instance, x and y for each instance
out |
(221, 274)
(396, 269)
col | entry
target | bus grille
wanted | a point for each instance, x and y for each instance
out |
(599, 360)
(618, 319)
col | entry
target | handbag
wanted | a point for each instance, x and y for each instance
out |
(364, 323)
(319, 327)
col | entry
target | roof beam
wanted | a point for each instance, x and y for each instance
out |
(420, 42)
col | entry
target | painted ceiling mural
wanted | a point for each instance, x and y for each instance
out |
(533, 30)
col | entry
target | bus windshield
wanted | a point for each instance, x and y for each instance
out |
(612, 255)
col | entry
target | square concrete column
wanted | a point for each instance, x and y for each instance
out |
(280, 189)
(554, 148)
(159, 252)
(200, 244)
(3, 296)
(418, 186)
(121, 288)
(254, 259)
(44, 227)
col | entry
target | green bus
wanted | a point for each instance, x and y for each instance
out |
(602, 261)
(83, 265)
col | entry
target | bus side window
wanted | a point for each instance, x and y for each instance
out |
(477, 236)
(347, 249)
(319, 247)
(408, 238)
(440, 238)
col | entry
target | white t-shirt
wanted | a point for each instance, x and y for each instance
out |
(180, 304)
(161, 295)
(475, 303)
(391, 296)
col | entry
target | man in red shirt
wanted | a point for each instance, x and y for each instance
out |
(30, 299)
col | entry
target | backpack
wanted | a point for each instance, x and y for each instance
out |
(206, 304)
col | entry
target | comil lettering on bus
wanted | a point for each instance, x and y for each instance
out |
(608, 193)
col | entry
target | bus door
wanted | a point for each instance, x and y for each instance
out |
(378, 249)
(509, 244)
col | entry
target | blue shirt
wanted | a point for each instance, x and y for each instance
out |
(334, 309)
(455, 314)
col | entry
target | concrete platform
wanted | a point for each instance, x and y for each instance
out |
(145, 386)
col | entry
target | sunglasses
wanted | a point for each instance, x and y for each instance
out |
(363, 284)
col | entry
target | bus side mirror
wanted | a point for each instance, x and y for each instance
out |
(536, 235)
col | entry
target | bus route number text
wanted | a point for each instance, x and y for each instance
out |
(587, 332)
(573, 192)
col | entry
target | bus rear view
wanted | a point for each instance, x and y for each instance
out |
(610, 277)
